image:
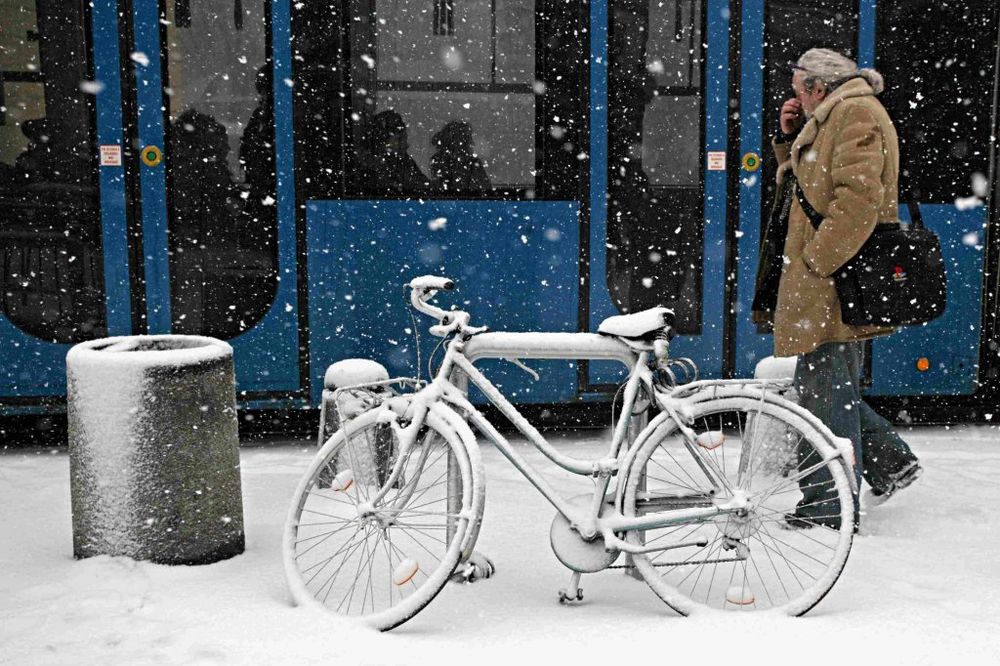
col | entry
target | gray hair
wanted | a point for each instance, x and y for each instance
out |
(833, 69)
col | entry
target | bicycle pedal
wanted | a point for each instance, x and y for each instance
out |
(566, 598)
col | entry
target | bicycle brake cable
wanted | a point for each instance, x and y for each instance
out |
(430, 359)
(416, 332)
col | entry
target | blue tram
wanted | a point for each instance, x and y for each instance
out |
(270, 172)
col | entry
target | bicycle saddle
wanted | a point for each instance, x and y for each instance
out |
(642, 325)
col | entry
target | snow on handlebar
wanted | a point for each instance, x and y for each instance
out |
(427, 282)
(424, 288)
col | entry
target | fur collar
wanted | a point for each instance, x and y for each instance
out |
(856, 87)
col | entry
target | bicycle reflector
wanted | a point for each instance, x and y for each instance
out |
(405, 571)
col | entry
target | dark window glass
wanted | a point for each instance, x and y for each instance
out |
(51, 266)
(792, 27)
(221, 168)
(454, 100)
(937, 57)
(655, 202)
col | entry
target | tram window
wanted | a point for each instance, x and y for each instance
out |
(445, 112)
(51, 265)
(220, 169)
(937, 57)
(404, 99)
(655, 202)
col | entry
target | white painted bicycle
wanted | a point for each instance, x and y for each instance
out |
(700, 500)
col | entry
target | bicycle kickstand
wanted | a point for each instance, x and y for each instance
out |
(573, 593)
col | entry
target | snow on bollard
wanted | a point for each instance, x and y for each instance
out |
(349, 372)
(154, 449)
(775, 367)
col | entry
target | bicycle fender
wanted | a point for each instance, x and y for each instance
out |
(460, 426)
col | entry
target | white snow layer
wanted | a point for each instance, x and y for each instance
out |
(354, 371)
(775, 367)
(922, 585)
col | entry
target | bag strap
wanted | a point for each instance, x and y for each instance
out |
(916, 221)
(814, 217)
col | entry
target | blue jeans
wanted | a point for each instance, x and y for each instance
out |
(828, 381)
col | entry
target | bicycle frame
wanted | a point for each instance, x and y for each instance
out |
(588, 522)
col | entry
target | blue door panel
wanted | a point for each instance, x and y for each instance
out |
(514, 263)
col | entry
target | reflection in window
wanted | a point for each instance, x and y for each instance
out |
(221, 168)
(939, 96)
(461, 100)
(51, 267)
(655, 204)
(419, 111)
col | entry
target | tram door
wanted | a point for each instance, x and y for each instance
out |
(659, 238)
(217, 227)
(773, 33)
(137, 185)
(54, 282)
(937, 59)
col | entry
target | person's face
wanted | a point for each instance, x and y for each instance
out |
(809, 99)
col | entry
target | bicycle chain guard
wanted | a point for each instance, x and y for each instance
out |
(572, 550)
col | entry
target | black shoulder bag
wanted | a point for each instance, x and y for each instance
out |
(897, 278)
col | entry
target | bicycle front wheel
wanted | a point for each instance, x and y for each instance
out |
(380, 562)
(785, 551)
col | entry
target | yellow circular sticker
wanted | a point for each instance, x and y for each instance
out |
(751, 161)
(151, 156)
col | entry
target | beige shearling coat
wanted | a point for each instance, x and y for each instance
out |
(846, 158)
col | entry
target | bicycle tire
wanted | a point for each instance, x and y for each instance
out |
(761, 567)
(374, 543)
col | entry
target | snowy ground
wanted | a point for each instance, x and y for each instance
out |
(922, 585)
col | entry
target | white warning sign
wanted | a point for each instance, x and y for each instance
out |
(716, 160)
(111, 155)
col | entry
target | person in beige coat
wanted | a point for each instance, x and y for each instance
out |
(839, 143)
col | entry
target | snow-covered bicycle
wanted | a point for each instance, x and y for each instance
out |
(390, 508)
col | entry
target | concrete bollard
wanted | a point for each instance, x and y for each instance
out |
(154, 449)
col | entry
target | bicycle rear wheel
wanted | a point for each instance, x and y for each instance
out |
(380, 562)
(789, 548)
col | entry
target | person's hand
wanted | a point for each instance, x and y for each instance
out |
(791, 116)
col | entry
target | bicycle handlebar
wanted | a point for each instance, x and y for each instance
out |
(423, 289)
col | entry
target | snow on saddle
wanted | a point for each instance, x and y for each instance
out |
(642, 325)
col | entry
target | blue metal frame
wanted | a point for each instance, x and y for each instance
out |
(34, 367)
(266, 356)
(107, 68)
(153, 184)
(750, 345)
